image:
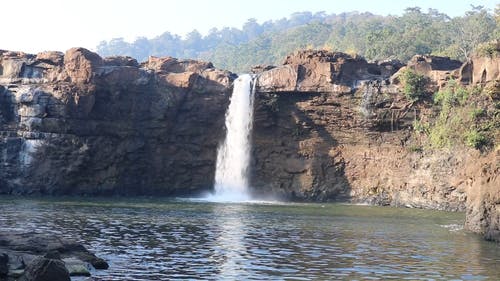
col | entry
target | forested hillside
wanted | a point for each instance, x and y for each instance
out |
(372, 36)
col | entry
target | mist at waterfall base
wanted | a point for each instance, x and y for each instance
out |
(233, 155)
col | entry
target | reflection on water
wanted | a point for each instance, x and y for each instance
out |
(165, 240)
(229, 244)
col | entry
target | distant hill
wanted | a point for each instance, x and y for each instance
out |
(372, 36)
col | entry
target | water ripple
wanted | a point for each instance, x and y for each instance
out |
(160, 240)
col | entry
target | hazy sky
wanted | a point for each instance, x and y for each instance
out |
(39, 25)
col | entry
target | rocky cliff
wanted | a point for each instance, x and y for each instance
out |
(328, 126)
(331, 126)
(75, 123)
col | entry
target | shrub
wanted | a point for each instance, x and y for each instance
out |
(451, 95)
(413, 84)
(476, 113)
(475, 139)
(421, 127)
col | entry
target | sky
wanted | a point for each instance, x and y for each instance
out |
(39, 25)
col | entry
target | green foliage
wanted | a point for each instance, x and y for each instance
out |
(477, 26)
(460, 120)
(476, 113)
(414, 85)
(488, 49)
(421, 127)
(372, 36)
(475, 139)
(415, 148)
(453, 94)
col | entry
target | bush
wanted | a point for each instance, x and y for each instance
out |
(421, 127)
(453, 94)
(475, 139)
(476, 113)
(458, 120)
(413, 84)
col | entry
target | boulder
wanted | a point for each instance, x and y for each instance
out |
(12, 68)
(44, 269)
(76, 267)
(80, 64)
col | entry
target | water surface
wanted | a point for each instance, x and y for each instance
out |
(162, 239)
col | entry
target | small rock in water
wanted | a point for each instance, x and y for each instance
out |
(99, 263)
(4, 267)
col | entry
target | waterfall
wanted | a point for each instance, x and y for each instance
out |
(233, 155)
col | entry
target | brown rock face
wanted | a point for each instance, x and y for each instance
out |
(320, 71)
(350, 136)
(482, 69)
(483, 211)
(439, 70)
(80, 64)
(80, 124)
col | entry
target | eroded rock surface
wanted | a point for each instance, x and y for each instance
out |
(350, 136)
(483, 212)
(75, 123)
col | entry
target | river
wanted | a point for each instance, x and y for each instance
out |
(169, 239)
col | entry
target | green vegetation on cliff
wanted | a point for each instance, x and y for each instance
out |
(413, 84)
(465, 116)
(372, 36)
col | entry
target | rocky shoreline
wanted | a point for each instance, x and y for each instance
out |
(43, 257)
(328, 126)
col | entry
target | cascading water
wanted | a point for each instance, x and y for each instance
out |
(233, 156)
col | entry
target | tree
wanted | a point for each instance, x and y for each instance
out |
(497, 19)
(375, 37)
(252, 29)
(472, 29)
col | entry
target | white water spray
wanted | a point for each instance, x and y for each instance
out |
(233, 156)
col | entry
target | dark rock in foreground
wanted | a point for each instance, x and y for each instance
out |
(44, 269)
(34, 256)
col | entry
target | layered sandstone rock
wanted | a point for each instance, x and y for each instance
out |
(76, 123)
(320, 71)
(350, 136)
(483, 197)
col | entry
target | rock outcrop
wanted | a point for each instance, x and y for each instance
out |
(439, 70)
(35, 256)
(483, 197)
(75, 123)
(350, 136)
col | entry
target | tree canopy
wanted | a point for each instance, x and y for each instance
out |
(372, 36)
